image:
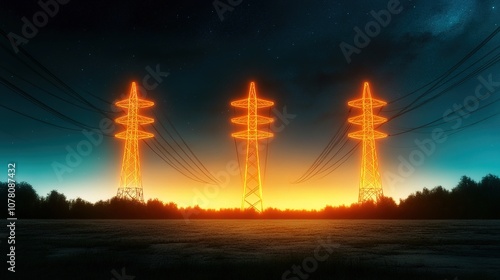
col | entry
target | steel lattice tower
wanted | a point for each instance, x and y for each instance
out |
(130, 176)
(370, 186)
(252, 184)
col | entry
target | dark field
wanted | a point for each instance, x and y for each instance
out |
(254, 249)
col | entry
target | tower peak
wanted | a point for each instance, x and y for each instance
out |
(366, 90)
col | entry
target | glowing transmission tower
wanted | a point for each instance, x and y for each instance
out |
(130, 177)
(370, 186)
(252, 184)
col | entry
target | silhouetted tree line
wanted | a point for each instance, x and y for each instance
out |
(468, 200)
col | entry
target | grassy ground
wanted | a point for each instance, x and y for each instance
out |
(97, 266)
(56, 250)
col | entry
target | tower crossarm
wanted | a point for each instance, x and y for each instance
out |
(362, 102)
(126, 120)
(260, 103)
(252, 135)
(140, 135)
(364, 135)
(259, 120)
(141, 103)
(361, 119)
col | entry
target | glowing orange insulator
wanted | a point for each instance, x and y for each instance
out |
(370, 186)
(252, 183)
(130, 176)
